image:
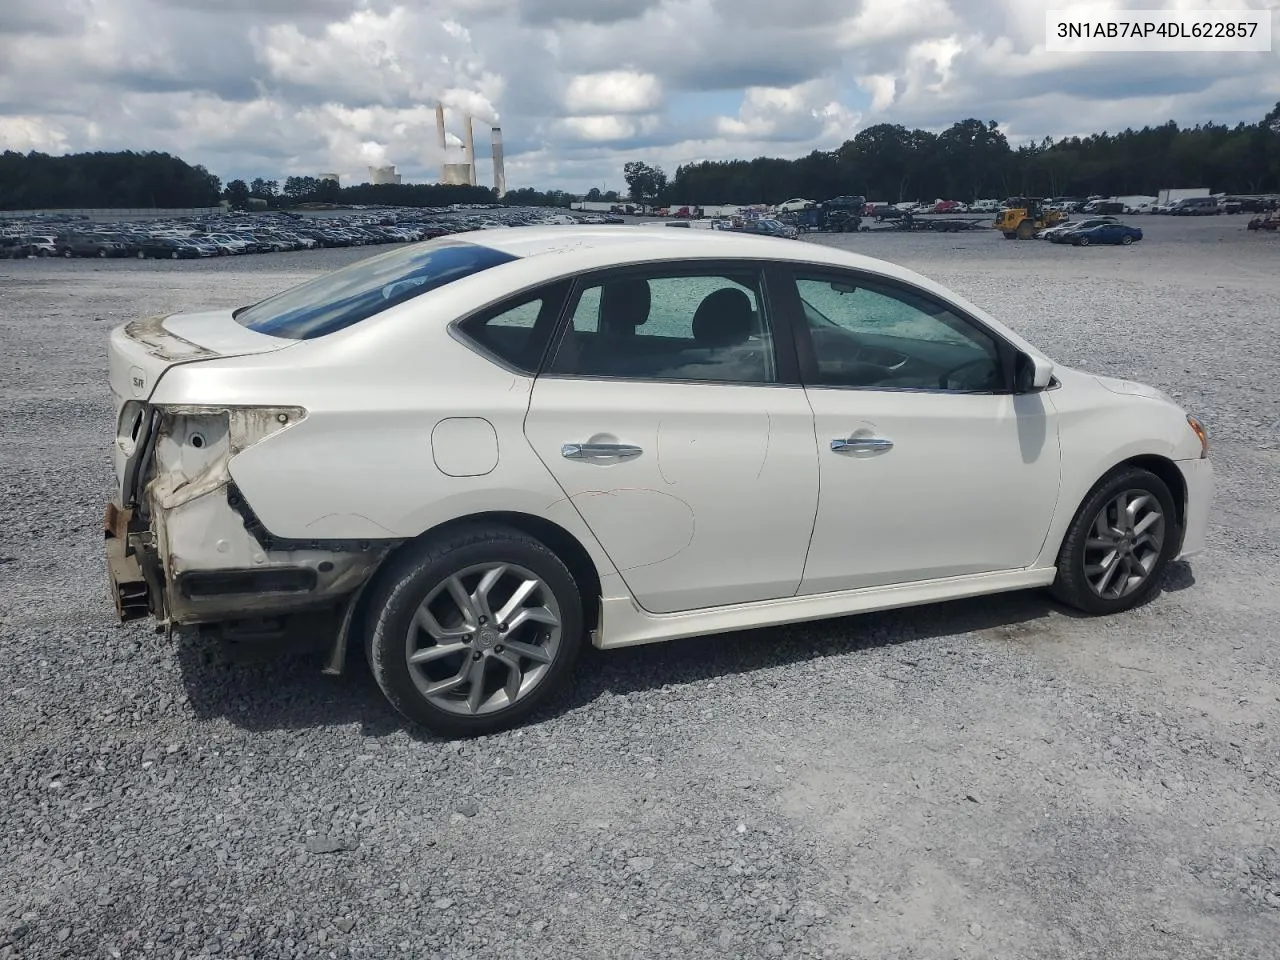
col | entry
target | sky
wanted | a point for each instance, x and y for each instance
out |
(274, 88)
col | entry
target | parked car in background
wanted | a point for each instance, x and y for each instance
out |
(91, 246)
(770, 228)
(470, 457)
(167, 248)
(1120, 233)
(15, 248)
(795, 205)
(1195, 207)
(43, 245)
(1104, 207)
(1056, 234)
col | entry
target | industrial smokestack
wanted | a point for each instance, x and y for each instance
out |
(440, 138)
(471, 149)
(499, 174)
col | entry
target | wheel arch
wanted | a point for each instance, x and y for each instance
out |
(1167, 470)
(554, 537)
(1163, 467)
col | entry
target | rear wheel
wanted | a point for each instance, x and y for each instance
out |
(1082, 242)
(1010, 235)
(1118, 546)
(475, 631)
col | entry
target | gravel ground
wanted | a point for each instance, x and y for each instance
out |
(989, 779)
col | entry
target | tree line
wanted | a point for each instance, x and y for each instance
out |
(973, 160)
(969, 160)
(35, 181)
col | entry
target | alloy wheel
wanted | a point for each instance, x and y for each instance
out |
(483, 639)
(1124, 544)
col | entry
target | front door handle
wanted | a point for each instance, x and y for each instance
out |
(858, 444)
(600, 452)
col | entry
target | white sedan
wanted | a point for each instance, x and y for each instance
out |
(472, 454)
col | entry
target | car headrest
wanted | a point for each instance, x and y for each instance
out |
(723, 319)
(624, 305)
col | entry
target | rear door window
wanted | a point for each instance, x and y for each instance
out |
(356, 292)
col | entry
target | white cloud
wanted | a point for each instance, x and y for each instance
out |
(615, 91)
(25, 134)
(806, 111)
(280, 87)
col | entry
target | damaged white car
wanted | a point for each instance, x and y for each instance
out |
(473, 454)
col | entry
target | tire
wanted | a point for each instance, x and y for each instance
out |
(1009, 235)
(1083, 548)
(67, 254)
(142, 255)
(173, 255)
(102, 254)
(1082, 242)
(421, 577)
(1026, 229)
(1126, 240)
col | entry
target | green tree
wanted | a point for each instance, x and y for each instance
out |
(645, 183)
(266, 189)
(237, 194)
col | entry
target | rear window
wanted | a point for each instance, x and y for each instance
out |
(357, 292)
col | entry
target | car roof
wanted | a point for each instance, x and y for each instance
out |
(641, 244)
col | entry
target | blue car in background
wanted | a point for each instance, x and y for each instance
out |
(1103, 233)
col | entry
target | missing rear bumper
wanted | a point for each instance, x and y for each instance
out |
(130, 591)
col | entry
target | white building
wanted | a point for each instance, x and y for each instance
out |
(383, 175)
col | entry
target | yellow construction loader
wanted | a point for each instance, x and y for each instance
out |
(1023, 216)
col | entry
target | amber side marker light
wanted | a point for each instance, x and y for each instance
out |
(1198, 429)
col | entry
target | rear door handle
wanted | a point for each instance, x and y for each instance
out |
(857, 444)
(600, 452)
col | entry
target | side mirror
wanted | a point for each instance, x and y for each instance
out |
(1032, 373)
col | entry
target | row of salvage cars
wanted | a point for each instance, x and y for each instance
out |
(1094, 230)
(186, 238)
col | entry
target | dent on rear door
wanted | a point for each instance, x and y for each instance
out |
(717, 507)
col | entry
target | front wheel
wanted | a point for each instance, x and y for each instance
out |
(1126, 240)
(1118, 546)
(474, 632)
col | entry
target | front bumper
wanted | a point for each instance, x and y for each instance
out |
(1198, 477)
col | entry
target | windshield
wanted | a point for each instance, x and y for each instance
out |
(356, 292)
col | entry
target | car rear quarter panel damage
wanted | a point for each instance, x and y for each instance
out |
(391, 446)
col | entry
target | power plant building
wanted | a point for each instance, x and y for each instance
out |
(381, 175)
(456, 173)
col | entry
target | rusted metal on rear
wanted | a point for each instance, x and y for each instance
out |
(129, 590)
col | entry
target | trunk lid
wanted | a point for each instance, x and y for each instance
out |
(141, 352)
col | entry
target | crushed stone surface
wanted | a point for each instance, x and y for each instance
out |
(993, 778)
